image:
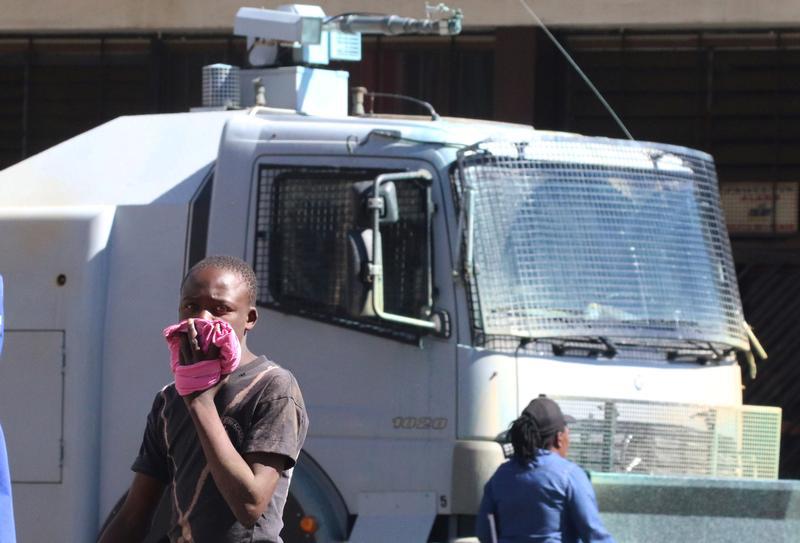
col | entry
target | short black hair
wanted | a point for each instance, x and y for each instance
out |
(232, 264)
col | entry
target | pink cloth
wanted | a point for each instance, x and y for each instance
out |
(207, 373)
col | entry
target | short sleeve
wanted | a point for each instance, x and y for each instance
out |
(279, 423)
(152, 458)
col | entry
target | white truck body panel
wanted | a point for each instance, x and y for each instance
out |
(486, 378)
(50, 411)
(127, 161)
(108, 210)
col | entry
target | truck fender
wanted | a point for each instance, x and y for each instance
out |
(313, 494)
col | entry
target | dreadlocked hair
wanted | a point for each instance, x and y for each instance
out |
(527, 440)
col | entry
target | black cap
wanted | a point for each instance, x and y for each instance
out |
(547, 415)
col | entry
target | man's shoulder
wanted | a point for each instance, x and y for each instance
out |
(570, 470)
(167, 404)
(278, 382)
(166, 394)
(554, 463)
(275, 373)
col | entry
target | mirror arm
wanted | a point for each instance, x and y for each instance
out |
(470, 233)
(429, 275)
(375, 205)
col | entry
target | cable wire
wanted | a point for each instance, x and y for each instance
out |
(572, 62)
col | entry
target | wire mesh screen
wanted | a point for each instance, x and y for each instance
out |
(307, 218)
(669, 439)
(578, 236)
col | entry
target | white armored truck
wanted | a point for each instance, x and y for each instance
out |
(424, 278)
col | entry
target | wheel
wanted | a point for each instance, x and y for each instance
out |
(292, 515)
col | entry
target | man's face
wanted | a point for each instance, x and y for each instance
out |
(213, 293)
(562, 442)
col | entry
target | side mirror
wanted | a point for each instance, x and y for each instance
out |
(365, 252)
(389, 211)
(358, 291)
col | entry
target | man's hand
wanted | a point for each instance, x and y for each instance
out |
(205, 396)
(191, 353)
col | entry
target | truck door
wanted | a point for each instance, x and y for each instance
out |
(380, 394)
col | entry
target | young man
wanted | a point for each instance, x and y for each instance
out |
(539, 495)
(223, 453)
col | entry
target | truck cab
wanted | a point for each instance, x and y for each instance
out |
(587, 269)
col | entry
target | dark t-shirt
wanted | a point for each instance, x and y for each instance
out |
(262, 410)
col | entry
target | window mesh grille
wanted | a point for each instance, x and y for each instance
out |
(304, 217)
(594, 237)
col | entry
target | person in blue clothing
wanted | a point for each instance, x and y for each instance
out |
(7, 534)
(6, 508)
(539, 495)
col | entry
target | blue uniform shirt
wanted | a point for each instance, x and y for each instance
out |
(549, 500)
(6, 511)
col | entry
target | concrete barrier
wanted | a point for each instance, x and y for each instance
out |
(656, 509)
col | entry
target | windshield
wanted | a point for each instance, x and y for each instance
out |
(579, 236)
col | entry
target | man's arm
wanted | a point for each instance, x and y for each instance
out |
(132, 521)
(584, 511)
(246, 483)
(485, 530)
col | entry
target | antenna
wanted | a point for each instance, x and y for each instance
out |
(577, 68)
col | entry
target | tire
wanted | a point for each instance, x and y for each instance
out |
(313, 493)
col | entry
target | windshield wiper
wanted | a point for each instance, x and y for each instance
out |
(592, 346)
(709, 353)
(696, 351)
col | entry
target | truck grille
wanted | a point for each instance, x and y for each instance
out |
(626, 436)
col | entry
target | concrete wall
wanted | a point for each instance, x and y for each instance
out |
(213, 15)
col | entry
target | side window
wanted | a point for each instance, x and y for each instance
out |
(305, 220)
(198, 222)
